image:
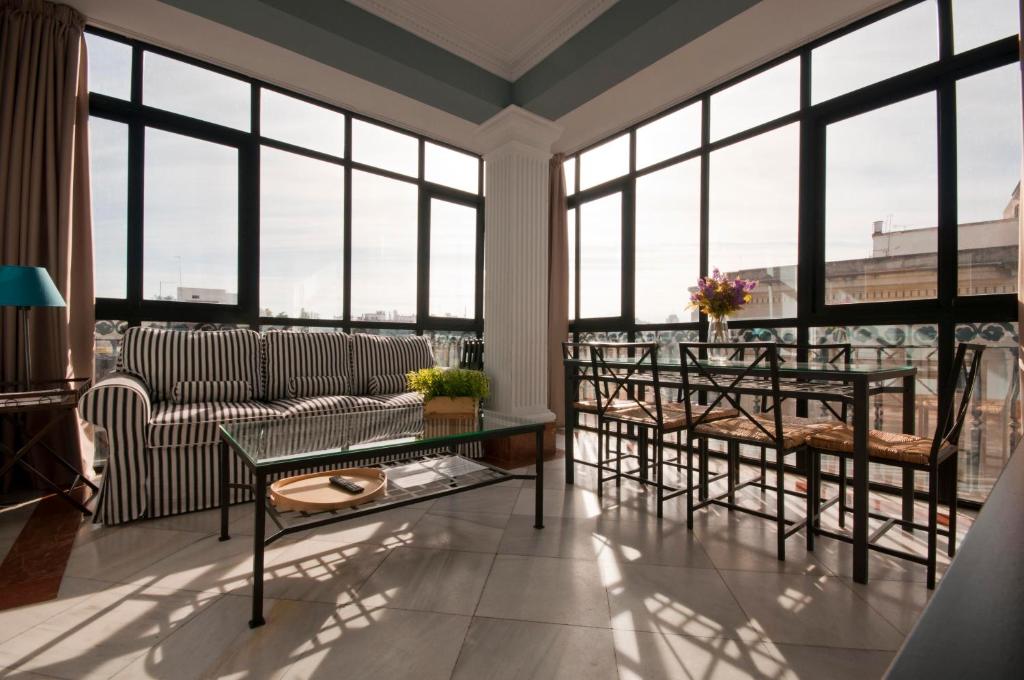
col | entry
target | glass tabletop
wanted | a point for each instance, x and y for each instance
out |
(270, 441)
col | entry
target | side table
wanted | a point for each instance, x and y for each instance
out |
(58, 399)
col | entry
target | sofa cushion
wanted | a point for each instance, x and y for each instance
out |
(399, 400)
(199, 391)
(387, 355)
(163, 358)
(290, 354)
(388, 384)
(317, 386)
(172, 424)
(337, 403)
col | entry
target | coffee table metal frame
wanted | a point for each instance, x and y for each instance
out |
(350, 458)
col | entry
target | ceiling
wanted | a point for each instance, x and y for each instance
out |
(503, 37)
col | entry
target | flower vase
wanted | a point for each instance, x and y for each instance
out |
(718, 331)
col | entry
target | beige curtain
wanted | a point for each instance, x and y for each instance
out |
(558, 286)
(44, 193)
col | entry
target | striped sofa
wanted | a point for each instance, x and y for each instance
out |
(160, 408)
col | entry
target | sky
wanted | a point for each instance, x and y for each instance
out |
(880, 165)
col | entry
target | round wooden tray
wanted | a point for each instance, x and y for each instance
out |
(314, 492)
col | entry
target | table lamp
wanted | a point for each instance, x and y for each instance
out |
(25, 287)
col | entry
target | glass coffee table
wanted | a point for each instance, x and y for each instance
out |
(420, 454)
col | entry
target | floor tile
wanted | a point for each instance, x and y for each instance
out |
(459, 531)
(545, 589)
(581, 503)
(317, 572)
(694, 602)
(117, 553)
(73, 591)
(498, 499)
(658, 656)
(498, 649)
(446, 581)
(899, 602)
(103, 633)
(747, 547)
(382, 643)
(389, 528)
(810, 610)
(816, 663)
(650, 542)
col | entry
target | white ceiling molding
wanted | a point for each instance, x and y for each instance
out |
(504, 44)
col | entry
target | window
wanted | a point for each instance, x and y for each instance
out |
(108, 164)
(988, 152)
(979, 22)
(604, 162)
(452, 259)
(667, 242)
(451, 168)
(110, 66)
(569, 168)
(383, 148)
(570, 220)
(384, 230)
(753, 218)
(881, 204)
(601, 257)
(175, 86)
(302, 230)
(668, 136)
(294, 121)
(190, 220)
(758, 99)
(885, 48)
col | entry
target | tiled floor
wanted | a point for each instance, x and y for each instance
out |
(466, 588)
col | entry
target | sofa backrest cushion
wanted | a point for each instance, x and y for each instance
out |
(317, 386)
(163, 358)
(202, 391)
(291, 354)
(387, 355)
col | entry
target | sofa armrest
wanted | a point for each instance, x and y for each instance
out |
(120, 405)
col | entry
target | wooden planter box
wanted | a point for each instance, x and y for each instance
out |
(451, 406)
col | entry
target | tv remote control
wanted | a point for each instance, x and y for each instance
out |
(346, 485)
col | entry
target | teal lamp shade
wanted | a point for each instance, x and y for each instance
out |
(27, 287)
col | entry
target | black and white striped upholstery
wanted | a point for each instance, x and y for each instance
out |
(388, 384)
(163, 358)
(387, 355)
(291, 358)
(163, 456)
(199, 391)
(174, 424)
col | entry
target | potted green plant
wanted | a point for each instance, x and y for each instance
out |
(455, 391)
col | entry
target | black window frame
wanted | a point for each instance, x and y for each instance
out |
(134, 309)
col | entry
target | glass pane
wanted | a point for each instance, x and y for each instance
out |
(569, 168)
(175, 86)
(384, 230)
(571, 221)
(191, 220)
(756, 100)
(300, 123)
(383, 148)
(992, 429)
(302, 227)
(605, 162)
(888, 47)
(881, 205)
(753, 218)
(667, 242)
(452, 168)
(452, 259)
(108, 168)
(988, 128)
(110, 66)
(979, 22)
(601, 257)
(668, 136)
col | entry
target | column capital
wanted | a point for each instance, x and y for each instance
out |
(516, 130)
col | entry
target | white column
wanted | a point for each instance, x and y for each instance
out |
(516, 145)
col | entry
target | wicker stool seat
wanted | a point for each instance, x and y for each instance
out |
(795, 431)
(590, 405)
(904, 448)
(673, 415)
